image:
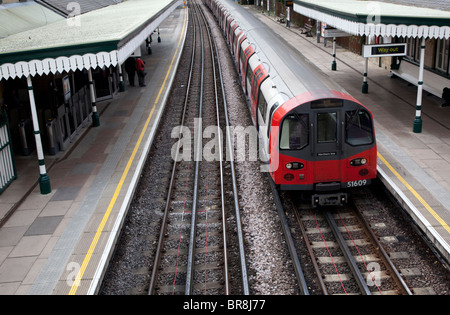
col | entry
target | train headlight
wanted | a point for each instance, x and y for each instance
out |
(294, 166)
(358, 162)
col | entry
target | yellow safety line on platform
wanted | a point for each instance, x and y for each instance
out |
(100, 228)
(415, 193)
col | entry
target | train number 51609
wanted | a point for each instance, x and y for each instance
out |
(357, 183)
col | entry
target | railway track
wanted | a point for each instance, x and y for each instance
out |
(346, 255)
(209, 220)
(192, 252)
(349, 259)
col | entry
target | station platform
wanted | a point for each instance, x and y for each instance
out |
(59, 243)
(52, 240)
(415, 167)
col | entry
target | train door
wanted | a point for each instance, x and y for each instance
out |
(245, 68)
(240, 52)
(259, 75)
(326, 144)
(236, 46)
(233, 37)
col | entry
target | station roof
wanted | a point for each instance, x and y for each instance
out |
(377, 18)
(68, 7)
(432, 4)
(101, 37)
(22, 16)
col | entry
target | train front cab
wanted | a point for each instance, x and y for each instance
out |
(324, 146)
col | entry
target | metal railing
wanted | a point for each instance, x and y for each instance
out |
(70, 119)
(7, 167)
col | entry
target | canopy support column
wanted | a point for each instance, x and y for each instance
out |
(44, 180)
(122, 83)
(417, 126)
(333, 64)
(318, 28)
(365, 85)
(95, 117)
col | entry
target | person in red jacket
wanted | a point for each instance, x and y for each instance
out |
(140, 65)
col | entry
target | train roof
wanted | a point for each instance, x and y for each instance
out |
(290, 71)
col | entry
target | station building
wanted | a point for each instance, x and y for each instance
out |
(421, 25)
(58, 58)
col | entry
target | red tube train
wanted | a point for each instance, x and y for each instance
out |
(317, 138)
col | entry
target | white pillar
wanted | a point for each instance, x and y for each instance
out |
(417, 126)
(95, 117)
(333, 64)
(122, 83)
(318, 29)
(44, 180)
(365, 85)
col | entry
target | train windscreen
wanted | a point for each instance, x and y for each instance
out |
(358, 127)
(294, 132)
(326, 127)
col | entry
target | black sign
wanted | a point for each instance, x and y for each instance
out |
(384, 50)
(388, 50)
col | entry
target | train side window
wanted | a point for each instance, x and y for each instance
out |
(241, 57)
(272, 110)
(249, 72)
(255, 80)
(262, 104)
(358, 127)
(326, 127)
(233, 34)
(294, 132)
(246, 67)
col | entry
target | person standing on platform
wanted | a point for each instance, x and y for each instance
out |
(140, 65)
(130, 68)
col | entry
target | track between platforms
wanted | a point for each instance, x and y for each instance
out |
(346, 255)
(350, 260)
(336, 250)
(341, 251)
(182, 233)
(208, 271)
(192, 252)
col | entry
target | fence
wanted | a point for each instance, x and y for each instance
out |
(70, 120)
(7, 167)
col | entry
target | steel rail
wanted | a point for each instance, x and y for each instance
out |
(165, 220)
(197, 158)
(244, 273)
(348, 256)
(240, 233)
(384, 255)
(198, 40)
(219, 135)
(310, 250)
(289, 240)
